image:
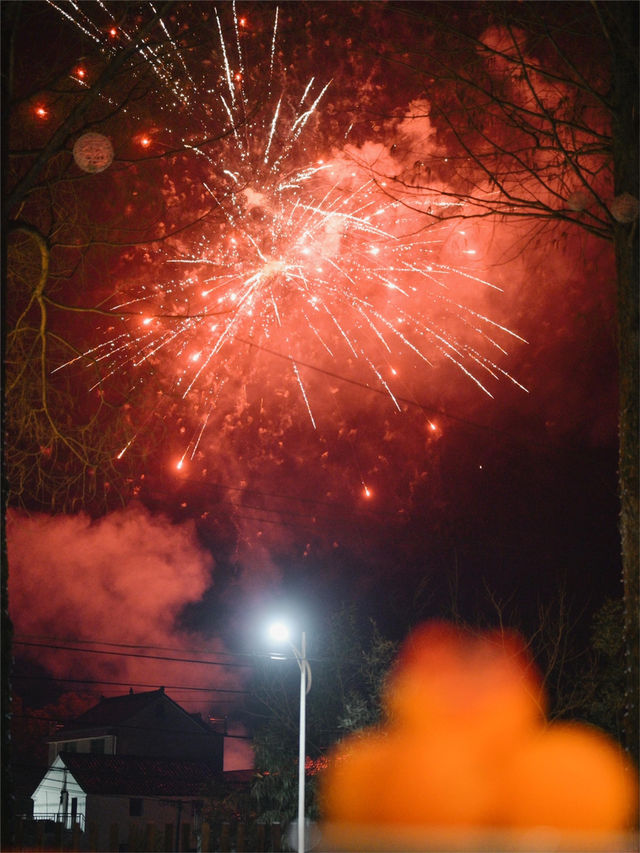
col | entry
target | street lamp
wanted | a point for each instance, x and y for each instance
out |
(280, 632)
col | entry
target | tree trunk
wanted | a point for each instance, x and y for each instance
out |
(9, 15)
(627, 249)
(626, 159)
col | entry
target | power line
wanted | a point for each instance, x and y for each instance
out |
(304, 500)
(128, 684)
(37, 637)
(130, 654)
(43, 641)
(433, 410)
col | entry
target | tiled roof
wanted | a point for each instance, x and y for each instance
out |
(138, 776)
(238, 777)
(114, 710)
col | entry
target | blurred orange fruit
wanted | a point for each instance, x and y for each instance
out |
(355, 781)
(484, 685)
(569, 776)
(465, 745)
(436, 781)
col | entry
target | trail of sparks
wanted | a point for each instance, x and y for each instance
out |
(296, 252)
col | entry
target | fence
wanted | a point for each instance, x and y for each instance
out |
(49, 836)
(67, 820)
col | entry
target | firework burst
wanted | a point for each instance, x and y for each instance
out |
(304, 258)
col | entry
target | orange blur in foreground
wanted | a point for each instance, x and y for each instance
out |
(466, 744)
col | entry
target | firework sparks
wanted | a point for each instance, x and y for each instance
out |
(298, 257)
(297, 260)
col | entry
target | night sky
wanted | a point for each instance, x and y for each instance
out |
(296, 427)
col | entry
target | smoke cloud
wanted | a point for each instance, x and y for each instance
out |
(122, 579)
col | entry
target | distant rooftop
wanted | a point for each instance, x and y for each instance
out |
(113, 710)
(116, 711)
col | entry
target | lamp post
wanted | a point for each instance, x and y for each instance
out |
(280, 632)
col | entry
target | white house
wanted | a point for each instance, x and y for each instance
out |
(123, 796)
(131, 765)
(59, 797)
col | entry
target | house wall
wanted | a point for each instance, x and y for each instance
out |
(55, 794)
(105, 811)
(102, 745)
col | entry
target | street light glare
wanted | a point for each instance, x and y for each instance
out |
(279, 632)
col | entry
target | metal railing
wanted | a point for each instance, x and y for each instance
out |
(60, 817)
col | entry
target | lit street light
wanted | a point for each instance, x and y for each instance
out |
(280, 632)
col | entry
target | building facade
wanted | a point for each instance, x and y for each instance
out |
(132, 764)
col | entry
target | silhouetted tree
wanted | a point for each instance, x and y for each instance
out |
(65, 230)
(534, 108)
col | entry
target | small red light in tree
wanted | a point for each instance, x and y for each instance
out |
(243, 22)
(41, 112)
(80, 72)
(145, 141)
(238, 76)
(113, 32)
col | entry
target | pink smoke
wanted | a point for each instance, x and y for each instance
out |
(124, 579)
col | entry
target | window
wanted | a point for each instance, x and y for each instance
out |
(97, 746)
(135, 807)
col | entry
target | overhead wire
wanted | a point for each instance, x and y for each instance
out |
(86, 640)
(432, 410)
(130, 684)
(76, 648)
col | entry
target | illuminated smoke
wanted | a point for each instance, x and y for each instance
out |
(72, 577)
